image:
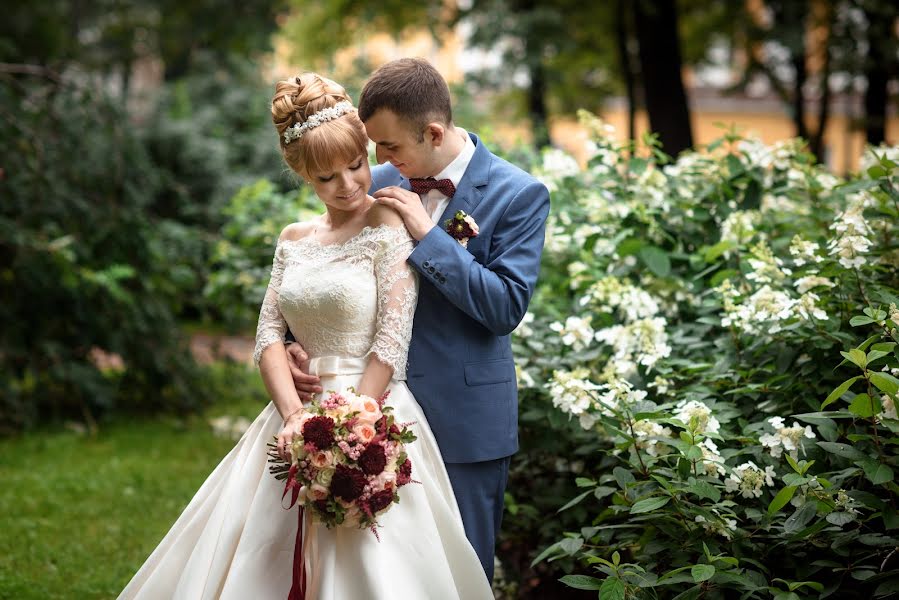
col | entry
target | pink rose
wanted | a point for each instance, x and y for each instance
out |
(365, 432)
(317, 492)
(322, 459)
(366, 408)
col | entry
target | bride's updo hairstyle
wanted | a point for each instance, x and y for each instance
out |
(335, 141)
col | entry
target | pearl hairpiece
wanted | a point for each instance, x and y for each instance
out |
(316, 119)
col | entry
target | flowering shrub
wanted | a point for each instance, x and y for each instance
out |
(724, 326)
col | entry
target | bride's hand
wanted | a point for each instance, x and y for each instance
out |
(292, 427)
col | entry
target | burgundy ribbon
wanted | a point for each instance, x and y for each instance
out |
(298, 585)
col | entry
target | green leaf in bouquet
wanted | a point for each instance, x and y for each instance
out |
(865, 406)
(885, 382)
(781, 499)
(649, 504)
(840, 390)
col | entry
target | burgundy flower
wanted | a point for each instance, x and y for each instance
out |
(404, 475)
(347, 483)
(380, 500)
(319, 431)
(322, 506)
(373, 459)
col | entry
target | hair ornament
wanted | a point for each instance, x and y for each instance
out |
(298, 130)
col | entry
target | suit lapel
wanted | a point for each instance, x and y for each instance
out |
(468, 193)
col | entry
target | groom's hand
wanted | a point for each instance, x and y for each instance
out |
(298, 361)
(408, 205)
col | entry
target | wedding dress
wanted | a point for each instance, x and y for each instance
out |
(343, 302)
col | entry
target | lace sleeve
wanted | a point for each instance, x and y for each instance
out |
(397, 298)
(272, 326)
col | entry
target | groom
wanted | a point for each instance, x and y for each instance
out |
(471, 297)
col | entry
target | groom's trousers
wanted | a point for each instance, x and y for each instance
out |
(480, 490)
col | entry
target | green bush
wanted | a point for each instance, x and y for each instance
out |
(241, 260)
(85, 267)
(726, 332)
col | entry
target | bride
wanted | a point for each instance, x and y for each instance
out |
(342, 285)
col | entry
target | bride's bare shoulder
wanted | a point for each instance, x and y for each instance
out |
(379, 214)
(297, 231)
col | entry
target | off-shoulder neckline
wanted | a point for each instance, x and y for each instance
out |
(361, 233)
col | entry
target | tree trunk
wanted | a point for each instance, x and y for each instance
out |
(816, 142)
(537, 105)
(660, 64)
(877, 74)
(626, 65)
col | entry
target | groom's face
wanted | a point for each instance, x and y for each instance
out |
(397, 143)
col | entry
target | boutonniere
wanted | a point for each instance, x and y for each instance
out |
(461, 227)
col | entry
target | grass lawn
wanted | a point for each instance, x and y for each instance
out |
(79, 513)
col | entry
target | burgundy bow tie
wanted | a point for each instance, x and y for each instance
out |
(423, 186)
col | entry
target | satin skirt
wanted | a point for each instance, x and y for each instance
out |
(235, 541)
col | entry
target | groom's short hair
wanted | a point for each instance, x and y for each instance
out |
(412, 89)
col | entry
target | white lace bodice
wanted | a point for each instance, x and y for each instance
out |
(350, 299)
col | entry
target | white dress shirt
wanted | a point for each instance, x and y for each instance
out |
(434, 201)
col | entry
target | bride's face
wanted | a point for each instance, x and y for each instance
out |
(345, 186)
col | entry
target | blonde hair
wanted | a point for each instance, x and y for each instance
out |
(338, 141)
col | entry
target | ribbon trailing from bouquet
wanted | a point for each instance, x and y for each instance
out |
(298, 584)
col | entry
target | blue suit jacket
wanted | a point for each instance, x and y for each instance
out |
(460, 358)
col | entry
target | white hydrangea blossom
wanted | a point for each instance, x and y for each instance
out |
(576, 332)
(766, 268)
(851, 234)
(785, 438)
(524, 329)
(524, 378)
(894, 314)
(557, 165)
(806, 308)
(869, 157)
(804, 251)
(723, 526)
(749, 480)
(573, 393)
(739, 226)
(661, 385)
(712, 461)
(804, 284)
(643, 342)
(648, 433)
(611, 294)
(697, 417)
(761, 313)
(618, 394)
(888, 408)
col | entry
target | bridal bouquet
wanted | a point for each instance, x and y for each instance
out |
(350, 461)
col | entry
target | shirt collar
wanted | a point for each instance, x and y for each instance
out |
(456, 169)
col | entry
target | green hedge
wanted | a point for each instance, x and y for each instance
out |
(725, 333)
